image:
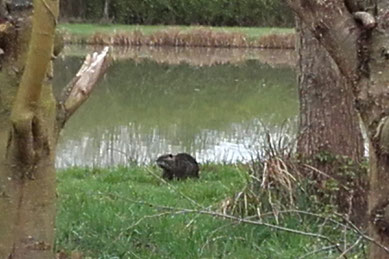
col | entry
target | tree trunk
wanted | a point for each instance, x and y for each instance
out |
(356, 34)
(328, 122)
(375, 112)
(106, 11)
(27, 179)
(30, 122)
(329, 131)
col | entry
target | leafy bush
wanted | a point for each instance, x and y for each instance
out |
(186, 12)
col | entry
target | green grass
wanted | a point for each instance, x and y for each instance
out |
(98, 216)
(85, 30)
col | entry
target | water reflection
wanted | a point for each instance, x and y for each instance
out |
(124, 145)
(158, 101)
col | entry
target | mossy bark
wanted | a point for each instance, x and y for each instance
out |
(28, 136)
(30, 122)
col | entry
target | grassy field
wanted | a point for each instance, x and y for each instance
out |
(119, 214)
(90, 29)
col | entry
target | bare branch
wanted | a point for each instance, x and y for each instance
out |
(331, 247)
(81, 86)
(366, 237)
(334, 245)
(350, 248)
(348, 224)
(334, 26)
(167, 213)
(233, 218)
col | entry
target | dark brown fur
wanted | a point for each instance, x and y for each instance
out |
(178, 166)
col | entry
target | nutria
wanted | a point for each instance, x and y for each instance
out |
(178, 166)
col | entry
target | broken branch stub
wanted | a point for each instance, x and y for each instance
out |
(366, 19)
(81, 86)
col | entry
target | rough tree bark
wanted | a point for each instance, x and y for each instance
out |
(329, 126)
(328, 119)
(30, 122)
(356, 35)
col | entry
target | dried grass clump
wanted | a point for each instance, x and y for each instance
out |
(273, 187)
(201, 37)
(204, 37)
(277, 41)
(279, 184)
(169, 37)
(275, 182)
(135, 38)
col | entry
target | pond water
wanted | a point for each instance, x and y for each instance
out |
(217, 104)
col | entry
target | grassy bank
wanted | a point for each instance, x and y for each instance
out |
(128, 213)
(190, 36)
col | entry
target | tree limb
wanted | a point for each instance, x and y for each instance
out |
(81, 86)
(334, 26)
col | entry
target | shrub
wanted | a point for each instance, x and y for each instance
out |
(185, 12)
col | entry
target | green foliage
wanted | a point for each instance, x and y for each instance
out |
(204, 12)
(97, 215)
(94, 8)
(103, 213)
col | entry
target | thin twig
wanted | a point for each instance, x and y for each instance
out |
(318, 251)
(350, 248)
(209, 240)
(302, 212)
(152, 216)
(349, 224)
(171, 187)
(358, 231)
(236, 219)
(211, 234)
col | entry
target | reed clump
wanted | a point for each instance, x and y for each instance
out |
(201, 37)
(275, 184)
(173, 37)
(277, 41)
(280, 181)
